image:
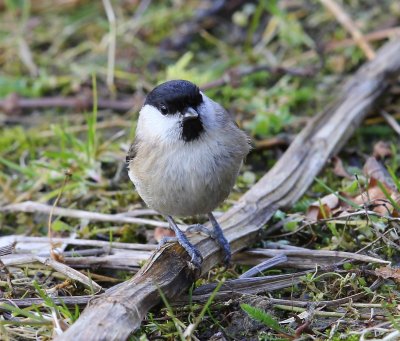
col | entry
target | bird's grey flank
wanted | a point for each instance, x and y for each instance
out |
(185, 157)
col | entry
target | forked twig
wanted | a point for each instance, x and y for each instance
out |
(346, 21)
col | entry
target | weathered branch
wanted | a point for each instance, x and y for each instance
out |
(114, 315)
(15, 103)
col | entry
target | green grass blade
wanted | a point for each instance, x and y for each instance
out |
(171, 312)
(341, 197)
(14, 166)
(388, 197)
(263, 317)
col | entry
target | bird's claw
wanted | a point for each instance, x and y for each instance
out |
(215, 234)
(166, 240)
(196, 257)
(198, 228)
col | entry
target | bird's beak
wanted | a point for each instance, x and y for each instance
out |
(190, 114)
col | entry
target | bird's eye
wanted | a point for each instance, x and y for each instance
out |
(164, 109)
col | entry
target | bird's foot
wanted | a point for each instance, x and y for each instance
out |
(195, 256)
(166, 240)
(217, 235)
(198, 228)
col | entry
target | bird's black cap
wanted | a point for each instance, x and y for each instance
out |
(176, 96)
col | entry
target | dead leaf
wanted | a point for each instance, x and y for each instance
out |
(381, 192)
(338, 168)
(322, 208)
(376, 170)
(388, 272)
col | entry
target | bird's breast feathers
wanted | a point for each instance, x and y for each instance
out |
(188, 178)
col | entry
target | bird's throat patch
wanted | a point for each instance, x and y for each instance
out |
(192, 129)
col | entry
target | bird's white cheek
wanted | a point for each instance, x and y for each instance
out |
(153, 125)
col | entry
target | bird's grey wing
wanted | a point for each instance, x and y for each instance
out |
(246, 141)
(132, 152)
(224, 113)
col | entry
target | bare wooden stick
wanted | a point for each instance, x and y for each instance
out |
(372, 36)
(70, 273)
(131, 259)
(303, 259)
(68, 300)
(235, 74)
(32, 206)
(345, 20)
(259, 268)
(391, 121)
(246, 286)
(72, 241)
(112, 37)
(239, 287)
(14, 103)
(121, 309)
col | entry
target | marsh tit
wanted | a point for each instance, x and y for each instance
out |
(185, 157)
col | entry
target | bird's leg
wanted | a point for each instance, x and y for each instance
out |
(196, 258)
(220, 238)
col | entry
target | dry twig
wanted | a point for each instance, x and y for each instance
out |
(15, 103)
(72, 241)
(70, 273)
(112, 38)
(373, 36)
(391, 121)
(233, 76)
(36, 207)
(346, 21)
(68, 300)
(303, 258)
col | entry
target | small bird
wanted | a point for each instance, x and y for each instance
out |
(185, 158)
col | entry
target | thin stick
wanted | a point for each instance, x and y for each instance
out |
(254, 255)
(325, 313)
(391, 121)
(81, 242)
(115, 123)
(233, 75)
(269, 263)
(373, 36)
(70, 273)
(14, 103)
(33, 207)
(240, 287)
(112, 43)
(345, 20)
(68, 300)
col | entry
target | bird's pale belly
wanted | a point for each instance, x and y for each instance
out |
(185, 186)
